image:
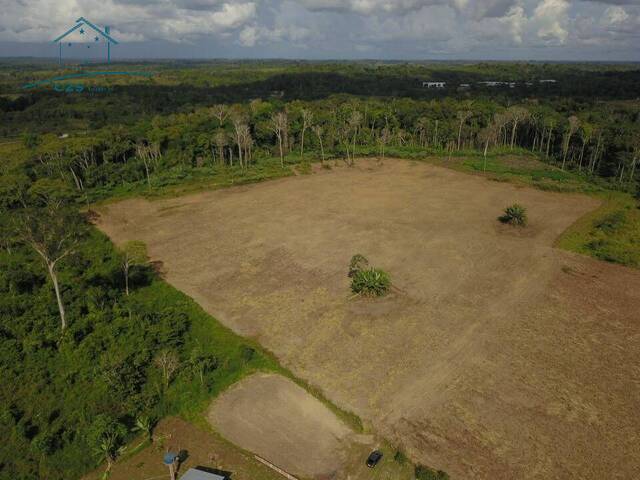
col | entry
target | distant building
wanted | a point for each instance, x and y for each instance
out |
(491, 83)
(434, 84)
(548, 81)
(197, 474)
(465, 85)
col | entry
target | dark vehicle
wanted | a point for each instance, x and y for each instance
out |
(374, 458)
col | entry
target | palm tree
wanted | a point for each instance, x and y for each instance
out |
(109, 449)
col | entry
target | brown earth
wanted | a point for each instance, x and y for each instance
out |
(201, 449)
(275, 418)
(497, 357)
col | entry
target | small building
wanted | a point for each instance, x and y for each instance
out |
(491, 83)
(197, 474)
(548, 81)
(434, 84)
(464, 86)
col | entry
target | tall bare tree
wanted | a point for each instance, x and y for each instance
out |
(307, 120)
(318, 130)
(149, 155)
(572, 128)
(383, 139)
(221, 112)
(279, 125)
(54, 234)
(241, 132)
(168, 362)
(463, 116)
(516, 115)
(354, 125)
(134, 253)
(221, 140)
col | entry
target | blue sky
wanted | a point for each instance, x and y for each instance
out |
(329, 29)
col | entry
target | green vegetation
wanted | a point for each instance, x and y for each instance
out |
(425, 473)
(95, 348)
(400, 457)
(371, 282)
(514, 215)
(610, 233)
(105, 368)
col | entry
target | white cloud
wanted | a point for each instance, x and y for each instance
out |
(343, 28)
(172, 20)
(550, 16)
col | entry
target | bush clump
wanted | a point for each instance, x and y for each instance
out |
(370, 282)
(514, 215)
(426, 473)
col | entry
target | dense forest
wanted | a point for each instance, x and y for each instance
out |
(95, 346)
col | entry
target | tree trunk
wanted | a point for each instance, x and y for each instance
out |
(513, 133)
(146, 169)
(321, 149)
(486, 147)
(56, 287)
(435, 135)
(126, 279)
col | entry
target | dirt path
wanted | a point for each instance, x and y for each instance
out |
(494, 362)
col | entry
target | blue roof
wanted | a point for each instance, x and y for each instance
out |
(195, 474)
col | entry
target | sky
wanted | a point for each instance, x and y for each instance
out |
(599, 30)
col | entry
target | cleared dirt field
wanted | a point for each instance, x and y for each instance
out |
(500, 357)
(275, 418)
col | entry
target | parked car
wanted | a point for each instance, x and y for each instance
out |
(374, 458)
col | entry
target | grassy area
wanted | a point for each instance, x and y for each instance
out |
(610, 233)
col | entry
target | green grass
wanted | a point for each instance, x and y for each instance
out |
(610, 233)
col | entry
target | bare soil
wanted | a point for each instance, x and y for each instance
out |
(497, 357)
(280, 421)
(200, 447)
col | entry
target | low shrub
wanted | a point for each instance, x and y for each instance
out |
(514, 215)
(611, 222)
(370, 283)
(400, 457)
(426, 473)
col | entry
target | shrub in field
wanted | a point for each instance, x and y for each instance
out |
(426, 473)
(357, 264)
(372, 282)
(514, 215)
(400, 457)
